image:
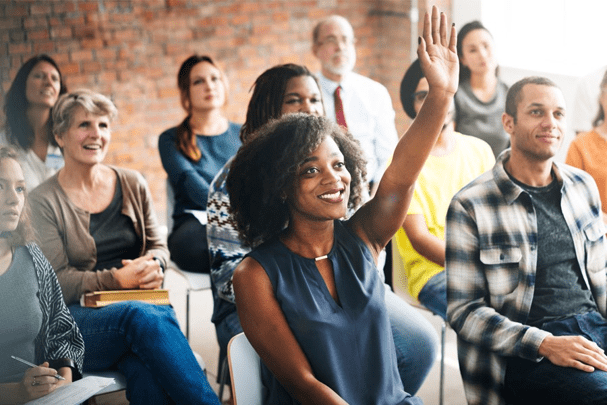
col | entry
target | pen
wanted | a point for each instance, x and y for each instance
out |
(57, 376)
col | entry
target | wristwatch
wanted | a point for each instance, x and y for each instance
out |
(159, 262)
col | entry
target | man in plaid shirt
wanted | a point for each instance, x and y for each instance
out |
(526, 257)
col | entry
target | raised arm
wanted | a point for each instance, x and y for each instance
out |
(378, 220)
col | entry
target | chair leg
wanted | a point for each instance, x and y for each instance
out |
(187, 314)
(442, 364)
(223, 376)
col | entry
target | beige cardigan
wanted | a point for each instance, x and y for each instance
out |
(63, 233)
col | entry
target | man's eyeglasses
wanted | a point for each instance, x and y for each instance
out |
(334, 41)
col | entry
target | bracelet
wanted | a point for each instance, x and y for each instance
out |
(159, 262)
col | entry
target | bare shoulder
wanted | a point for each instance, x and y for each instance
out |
(249, 275)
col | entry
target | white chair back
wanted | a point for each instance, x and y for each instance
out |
(245, 370)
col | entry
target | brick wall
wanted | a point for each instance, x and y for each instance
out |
(131, 50)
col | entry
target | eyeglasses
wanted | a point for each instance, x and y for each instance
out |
(335, 41)
(420, 96)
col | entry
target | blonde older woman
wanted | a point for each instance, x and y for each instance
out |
(98, 229)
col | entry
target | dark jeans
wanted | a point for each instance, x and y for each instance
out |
(433, 295)
(528, 382)
(188, 246)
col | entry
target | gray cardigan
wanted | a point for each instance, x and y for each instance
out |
(63, 233)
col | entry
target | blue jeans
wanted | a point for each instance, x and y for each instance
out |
(414, 337)
(145, 343)
(433, 295)
(528, 382)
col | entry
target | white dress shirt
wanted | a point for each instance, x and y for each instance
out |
(369, 115)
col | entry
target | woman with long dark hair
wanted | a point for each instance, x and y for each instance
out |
(481, 96)
(28, 103)
(192, 153)
(37, 325)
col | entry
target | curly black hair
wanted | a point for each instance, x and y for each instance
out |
(264, 170)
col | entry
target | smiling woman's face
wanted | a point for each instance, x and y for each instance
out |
(322, 185)
(43, 85)
(87, 139)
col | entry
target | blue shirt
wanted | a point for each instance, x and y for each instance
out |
(190, 180)
(348, 345)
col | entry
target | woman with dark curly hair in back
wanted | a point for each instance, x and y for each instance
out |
(309, 296)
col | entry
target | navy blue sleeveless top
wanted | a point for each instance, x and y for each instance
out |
(349, 345)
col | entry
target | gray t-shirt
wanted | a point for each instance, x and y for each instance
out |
(560, 291)
(482, 120)
(20, 316)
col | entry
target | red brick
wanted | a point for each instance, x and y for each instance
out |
(19, 48)
(75, 21)
(55, 22)
(105, 54)
(88, 7)
(8, 23)
(44, 47)
(241, 19)
(92, 43)
(38, 35)
(43, 9)
(61, 32)
(81, 56)
(91, 67)
(34, 22)
(70, 68)
(64, 7)
(16, 11)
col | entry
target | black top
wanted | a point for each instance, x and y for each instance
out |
(114, 234)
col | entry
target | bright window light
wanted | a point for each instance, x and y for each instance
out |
(558, 36)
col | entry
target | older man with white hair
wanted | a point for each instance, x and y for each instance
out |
(360, 104)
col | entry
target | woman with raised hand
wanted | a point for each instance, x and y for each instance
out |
(34, 91)
(97, 226)
(309, 296)
(37, 326)
(192, 154)
(280, 90)
(481, 97)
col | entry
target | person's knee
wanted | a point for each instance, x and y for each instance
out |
(143, 317)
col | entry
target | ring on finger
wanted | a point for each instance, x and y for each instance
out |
(34, 383)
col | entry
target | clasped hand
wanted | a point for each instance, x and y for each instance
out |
(141, 273)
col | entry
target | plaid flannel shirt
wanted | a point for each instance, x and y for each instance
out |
(491, 259)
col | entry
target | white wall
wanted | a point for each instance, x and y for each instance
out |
(530, 43)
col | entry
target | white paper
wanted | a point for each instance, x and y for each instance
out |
(74, 393)
(201, 216)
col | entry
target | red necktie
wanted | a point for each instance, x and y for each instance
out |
(340, 118)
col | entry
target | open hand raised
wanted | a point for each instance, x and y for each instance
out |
(438, 57)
